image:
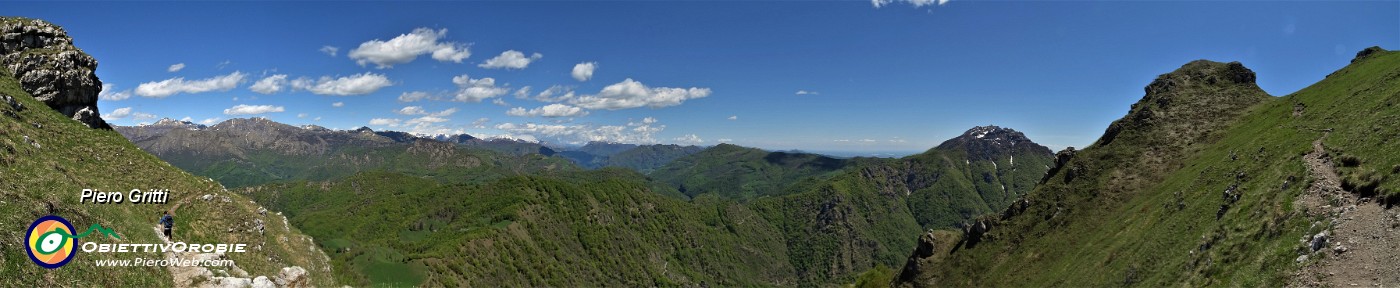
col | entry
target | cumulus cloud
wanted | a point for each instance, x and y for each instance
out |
(690, 139)
(406, 47)
(500, 102)
(427, 123)
(176, 67)
(511, 59)
(548, 111)
(805, 92)
(554, 93)
(109, 93)
(642, 132)
(269, 84)
(330, 50)
(584, 71)
(358, 84)
(475, 90)
(118, 113)
(480, 123)
(243, 109)
(338, 104)
(632, 94)
(915, 3)
(172, 86)
(384, 122)
(414, 96)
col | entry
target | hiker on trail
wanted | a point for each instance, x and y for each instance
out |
(167, 222)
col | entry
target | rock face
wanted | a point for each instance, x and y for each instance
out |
(49, 67)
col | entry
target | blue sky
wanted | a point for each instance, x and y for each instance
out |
(900, 78)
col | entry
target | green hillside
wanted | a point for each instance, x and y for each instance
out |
(595, 228)
(48, 159)
(1198, 186)
(743, 173)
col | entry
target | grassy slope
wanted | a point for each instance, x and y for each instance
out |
(1161, 228)
(71, 157)
(592, 228)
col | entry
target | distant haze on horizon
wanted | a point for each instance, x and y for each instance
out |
(838, 76)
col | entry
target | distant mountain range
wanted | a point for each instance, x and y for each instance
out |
(810, 214)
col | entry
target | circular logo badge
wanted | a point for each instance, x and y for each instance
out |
(50, 242)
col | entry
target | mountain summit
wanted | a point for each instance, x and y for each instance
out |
(990, 142)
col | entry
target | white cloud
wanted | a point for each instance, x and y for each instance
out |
(330, 50)
(172, 86)
(475, 90)
(642, 132)
(500, 102)
(426, 119)
(358, 84)
(480, 123)
(384, 122)
(414, 96)
(444, 113)
(176, 67)
(725, 140)
(805, 92)
(269, 84)
(555, 93)
(109, 94)
(210, 121)
(187, 119)
(242, 109)
(734, 117)
(549, 111)
(689, 139)
(118, 113)
(301, 115)
(511, 59)
(915, 3)
(128, 113)
(632, 94)
(584, 71)
(338, 104)
(412, 110)
(406, 47)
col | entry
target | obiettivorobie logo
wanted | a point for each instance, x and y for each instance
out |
(50, 241)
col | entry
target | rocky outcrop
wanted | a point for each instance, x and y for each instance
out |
(1189, 103)
(49, 67)
(1373, 50)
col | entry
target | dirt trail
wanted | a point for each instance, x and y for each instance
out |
(1363, 241)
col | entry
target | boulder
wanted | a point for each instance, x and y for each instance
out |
(1319, 241)
(293, 276)
(263, 282)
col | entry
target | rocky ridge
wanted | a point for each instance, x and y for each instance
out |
(48, 66)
